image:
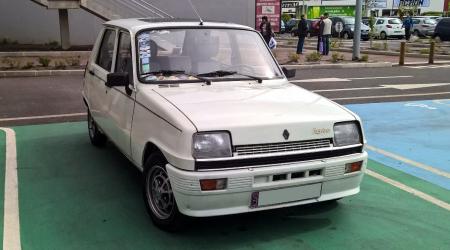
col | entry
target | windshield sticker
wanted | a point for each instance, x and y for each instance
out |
(144, 52)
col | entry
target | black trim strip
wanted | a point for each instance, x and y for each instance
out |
(234, 163)
(142, 105)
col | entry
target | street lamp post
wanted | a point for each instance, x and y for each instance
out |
(357, 31)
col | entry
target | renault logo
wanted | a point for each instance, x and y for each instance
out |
(286, 134)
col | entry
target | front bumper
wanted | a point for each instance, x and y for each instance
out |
(331, 183)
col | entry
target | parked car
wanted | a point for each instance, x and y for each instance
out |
(389, 27)
(292, 23)
(282, 27)
(313, 28)
(348, 28)
(215, 127)
(442, 30)
(423, 26)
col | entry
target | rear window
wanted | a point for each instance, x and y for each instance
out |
(394, 21)
(429, 21)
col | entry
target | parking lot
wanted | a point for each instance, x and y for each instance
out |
(75, 196)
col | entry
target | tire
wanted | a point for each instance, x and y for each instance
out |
(159, 200)
(98, 139)
(416, 33)
(383, 35)
(437, 38)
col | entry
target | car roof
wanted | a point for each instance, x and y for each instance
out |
(137, 24)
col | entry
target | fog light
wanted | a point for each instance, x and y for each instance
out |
(213, 184)
(353, 167)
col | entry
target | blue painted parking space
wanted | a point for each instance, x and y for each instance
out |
(416, 132)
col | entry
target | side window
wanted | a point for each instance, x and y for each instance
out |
(416, 21)
(124, 62)
(106, 51)
(380, 21)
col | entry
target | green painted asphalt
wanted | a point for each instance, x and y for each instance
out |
(2, 179)
(75, 196)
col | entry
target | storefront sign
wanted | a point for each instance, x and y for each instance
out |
(271, 9)
(317, 11)
(407, 3)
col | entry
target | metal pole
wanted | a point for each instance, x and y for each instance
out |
(401, 60)
(431, 55)
(303, 8)
(357, 31)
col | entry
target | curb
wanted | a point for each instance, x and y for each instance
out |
(44, 53)
(34, 73)
(340, 66)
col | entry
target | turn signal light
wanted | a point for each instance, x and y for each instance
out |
(353, 167)
(213, 184)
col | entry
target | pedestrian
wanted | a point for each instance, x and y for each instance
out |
(302, 30)
(407, 24)
(325, 30)
(266, 29)
(319, 33)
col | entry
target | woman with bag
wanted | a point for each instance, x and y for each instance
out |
(319, 26)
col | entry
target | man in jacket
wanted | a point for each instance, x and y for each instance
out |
(266, 29)
(302, 30)
(407, 24)
(325, 31)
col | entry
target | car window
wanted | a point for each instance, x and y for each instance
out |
(380, 21)
(429, 21)
(394, 21)
(106, 51)
(349, 20)
(416, 21)
(124, 62)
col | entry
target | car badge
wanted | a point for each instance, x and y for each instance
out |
(286, 134)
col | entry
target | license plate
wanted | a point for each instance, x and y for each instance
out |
(284, 195)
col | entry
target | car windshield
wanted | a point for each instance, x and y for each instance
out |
(183, 54)
(394, 21)
(429, 21)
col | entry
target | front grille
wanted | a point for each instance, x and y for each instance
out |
(282, 147)
(260, 161)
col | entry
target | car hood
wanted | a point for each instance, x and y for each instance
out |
(256, 113)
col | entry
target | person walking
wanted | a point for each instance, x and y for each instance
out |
(325, 30)
(318, 25)
(266, 29)
(302, 30)
(407, 24)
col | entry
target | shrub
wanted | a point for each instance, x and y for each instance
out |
(314, 57)
(60, 65)
(337, 57)
(44, 61)
(11, 63)
(285, 17)
(290, 42)
(293, 57)
(425, 51)
(53, 44)
(364, 58)
(73, 61)
(376, 46)
(29, 65)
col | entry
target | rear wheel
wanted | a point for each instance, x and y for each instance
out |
(346, 35)
(158, 195)
(437, 38)
(98, 139)
(383, 35)
(416, 33)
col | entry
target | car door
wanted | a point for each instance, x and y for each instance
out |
(379, 25)
(122, 99)
(98, 70)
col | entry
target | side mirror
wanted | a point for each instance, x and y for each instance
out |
(117, 79)
(289, 73)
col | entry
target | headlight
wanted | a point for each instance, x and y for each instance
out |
(211, 145)
(346, 133)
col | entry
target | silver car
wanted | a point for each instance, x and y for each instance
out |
(423, 26)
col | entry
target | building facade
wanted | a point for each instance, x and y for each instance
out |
(315, 8)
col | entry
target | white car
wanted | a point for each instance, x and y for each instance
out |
(209, 117)
(386, 27)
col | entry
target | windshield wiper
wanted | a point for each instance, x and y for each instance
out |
(222, 73)
(173, 72)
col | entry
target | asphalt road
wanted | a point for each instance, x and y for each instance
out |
(56, 99)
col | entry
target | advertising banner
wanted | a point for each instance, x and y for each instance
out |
(420, 3)
(271, 9)
(317, 11)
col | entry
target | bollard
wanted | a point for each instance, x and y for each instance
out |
(431, 55)
(402, 54)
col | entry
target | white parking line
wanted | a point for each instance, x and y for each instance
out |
(11, 223)
(346, 79)
(410, 190)
(387, 96)
(378, 77)
(40, 117)
(348, 89)
(408, 161)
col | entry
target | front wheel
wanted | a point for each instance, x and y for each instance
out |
(158, 195)
(98, 139)
(383, 36)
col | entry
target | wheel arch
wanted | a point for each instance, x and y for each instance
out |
(149, 149)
